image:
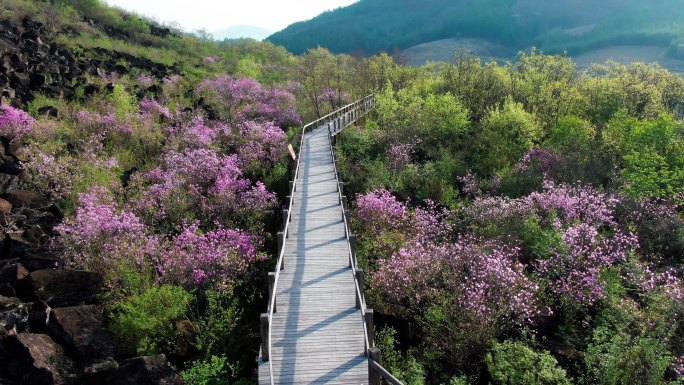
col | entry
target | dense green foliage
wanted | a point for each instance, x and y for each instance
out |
(571, 177)
(372, 26)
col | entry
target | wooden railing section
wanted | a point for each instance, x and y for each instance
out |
(335, 123)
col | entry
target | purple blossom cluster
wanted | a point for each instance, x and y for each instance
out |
(398, 156)
(197, 132)
(171, 80)
(259, 144)
(92, 122)
(645, 277)
(214, 258)
(154, 108)
(246, 99)
(200, 181)
(486, 278)
(542, 160)
(103, 237)
(211, 60)
(470, 184)
(576, 203)
(574, 268)
(379, 210)
(145, 81)
(334, 96)
(14, 123)
(489, 284)
(571, 203)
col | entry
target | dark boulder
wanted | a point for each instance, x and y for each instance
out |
(61, 288)
(37, 79)
(8, 183)
(151, 370)
(99, 373)
(81, 329)
(49, 111)
(34, 359)
(18, 79)
(39, 259)
(9, 166)
(10, 276)
(26, 198)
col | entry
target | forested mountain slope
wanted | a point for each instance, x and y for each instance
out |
(371, 26)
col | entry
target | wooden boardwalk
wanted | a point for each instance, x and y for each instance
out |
(317, 333)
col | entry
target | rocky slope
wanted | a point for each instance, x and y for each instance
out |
(31, 62)
(52, 324)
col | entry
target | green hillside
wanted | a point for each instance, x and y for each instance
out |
(371, 26)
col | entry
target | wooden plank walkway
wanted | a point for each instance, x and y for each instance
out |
(317, 332)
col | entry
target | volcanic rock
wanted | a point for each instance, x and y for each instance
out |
(61, 288)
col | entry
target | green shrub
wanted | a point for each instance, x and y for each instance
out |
(512, 362)
(211, 372)
(402, 365)
(147, 321)
(123, 102)
(620, 358)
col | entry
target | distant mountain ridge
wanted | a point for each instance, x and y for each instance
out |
(371, 26)
(242, 31)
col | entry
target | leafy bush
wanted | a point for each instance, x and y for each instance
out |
(619, 358)
(512, 362)
(147, 321)
(211, 372)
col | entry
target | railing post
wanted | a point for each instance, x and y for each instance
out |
(281, 241)
(347, 215)
(271, 290)
(344, 202)
(285, 212)
(359, 279)
(369, 327)
(374, 377)
(352, 247)
(288, 200)
(291, 185)
(265, 353)
(340, 186)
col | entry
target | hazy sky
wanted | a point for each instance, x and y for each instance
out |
(214, 15)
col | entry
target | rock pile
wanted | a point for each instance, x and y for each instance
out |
(31, 62)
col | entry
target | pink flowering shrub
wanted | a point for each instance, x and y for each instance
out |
(201, 184)
(574, 269)
(571, 204)
(92, 122)
(379, 210)
(245, 99)
(145, 81)
(259, 145)
(101, 237)
(104, 237)
(334, 97)
(489, 285)
(152, 107)
(211, 60)
(213, 259)
(398, 156)
(197, 132)
(14, 123)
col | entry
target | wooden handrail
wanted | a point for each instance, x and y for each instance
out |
(266, 347)
(375, 366)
